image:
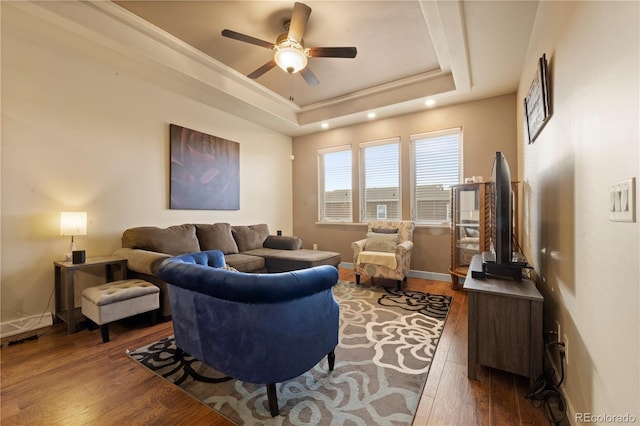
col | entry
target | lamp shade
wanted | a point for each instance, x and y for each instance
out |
(73, 223)
(290, 59)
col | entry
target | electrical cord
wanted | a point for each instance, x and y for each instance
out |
(17, 341)
(545, 392)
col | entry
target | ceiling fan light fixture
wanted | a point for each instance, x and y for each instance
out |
(290, 54)
(290, 59)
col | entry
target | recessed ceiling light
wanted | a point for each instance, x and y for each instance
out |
(430, 102)
(325, 125)
(371, 115)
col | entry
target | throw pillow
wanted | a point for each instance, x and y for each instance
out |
(216, 237)
(228, 267)
(385, 230)
(281, 242)
(474, 233)
(250, 237)
(381, 242)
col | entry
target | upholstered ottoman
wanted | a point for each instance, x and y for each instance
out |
(119, 299)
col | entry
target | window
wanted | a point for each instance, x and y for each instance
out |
(334, 168)
(436, 164)
(380, 180)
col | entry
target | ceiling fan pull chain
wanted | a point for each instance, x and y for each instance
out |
(291, 98)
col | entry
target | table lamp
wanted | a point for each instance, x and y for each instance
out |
(73, 223)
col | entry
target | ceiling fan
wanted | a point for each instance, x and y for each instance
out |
(290, 53)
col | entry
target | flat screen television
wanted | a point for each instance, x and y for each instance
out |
(500, 262)
(503, 197)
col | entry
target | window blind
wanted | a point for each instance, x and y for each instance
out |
(436, 158)
(380, 180)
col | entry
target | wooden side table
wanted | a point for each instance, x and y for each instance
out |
(505, 325)
(65, 283)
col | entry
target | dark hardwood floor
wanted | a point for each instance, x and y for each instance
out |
(77, 380)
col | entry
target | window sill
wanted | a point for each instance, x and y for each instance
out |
(342, 223)
(445, 225)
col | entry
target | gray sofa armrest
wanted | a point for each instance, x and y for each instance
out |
(142, 261)
(282, 242)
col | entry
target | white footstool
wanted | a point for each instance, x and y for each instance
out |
(119, 299)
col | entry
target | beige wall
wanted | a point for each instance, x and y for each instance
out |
(83, 135)
(588, 267)
(488, 125)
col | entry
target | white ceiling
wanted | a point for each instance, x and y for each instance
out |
(392, 39)
(408, 51)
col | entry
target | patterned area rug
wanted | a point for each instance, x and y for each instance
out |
(387, 342)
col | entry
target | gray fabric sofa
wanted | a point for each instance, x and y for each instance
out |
(245, 248)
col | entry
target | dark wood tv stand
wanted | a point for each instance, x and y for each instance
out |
(505, 324)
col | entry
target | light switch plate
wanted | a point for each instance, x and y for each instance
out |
(622, 201)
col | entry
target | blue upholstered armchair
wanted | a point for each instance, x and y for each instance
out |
(257, 328)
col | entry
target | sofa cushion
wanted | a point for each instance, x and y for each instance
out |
(216, 236)
(245, 262)
(250, 237)
(291, 260)
(174, 240)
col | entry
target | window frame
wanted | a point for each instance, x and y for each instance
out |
(321, 182)
(361, 177)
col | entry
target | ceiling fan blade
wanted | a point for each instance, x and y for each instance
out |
(247, 39)
(309, 76)
(263, 69)
(298, 23)
(332, 52)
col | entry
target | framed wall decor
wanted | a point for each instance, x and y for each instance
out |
(205, 171)
(536, 104)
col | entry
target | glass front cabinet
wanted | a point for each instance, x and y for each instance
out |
(471, 207)
(470, 226)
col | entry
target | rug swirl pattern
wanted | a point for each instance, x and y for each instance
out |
(387, 342)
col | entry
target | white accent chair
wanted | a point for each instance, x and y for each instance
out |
(385, 252)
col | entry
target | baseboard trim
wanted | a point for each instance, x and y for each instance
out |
(26, 324)
(436, 276)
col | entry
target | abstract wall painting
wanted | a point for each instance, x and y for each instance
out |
(205, 171)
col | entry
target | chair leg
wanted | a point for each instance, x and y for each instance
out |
(399, 284)
(153, 317)
(272, 397)
(357, 278)
(179, 354)
(92, 325)
(104, 330)
(331, 357)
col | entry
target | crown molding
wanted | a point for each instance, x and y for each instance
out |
(106, 32)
